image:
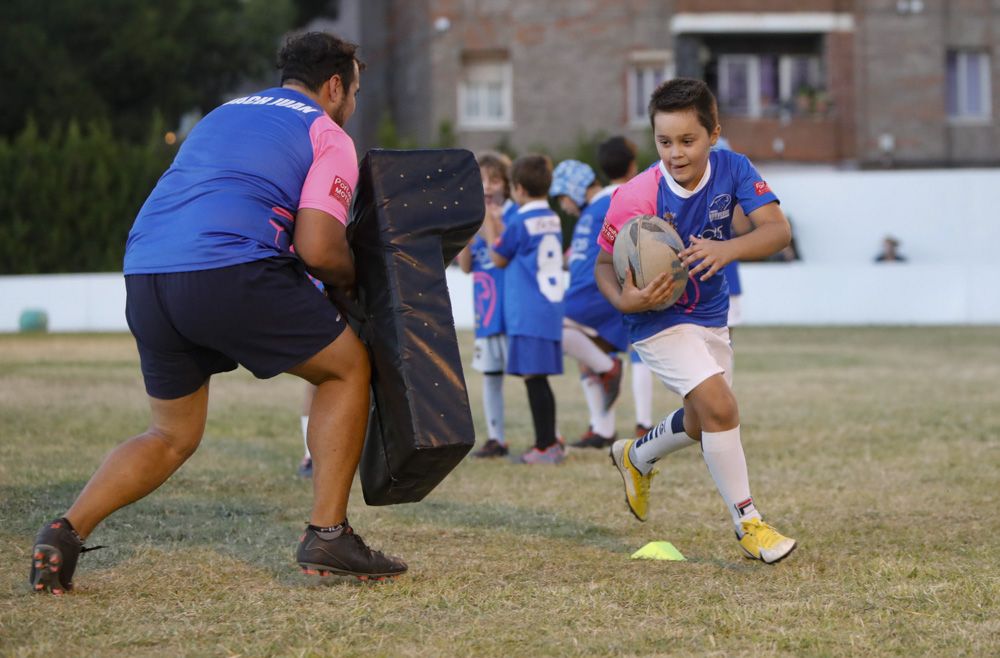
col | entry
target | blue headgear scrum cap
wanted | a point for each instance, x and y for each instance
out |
(572, 178)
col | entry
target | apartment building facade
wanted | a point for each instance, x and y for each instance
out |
(877, 83)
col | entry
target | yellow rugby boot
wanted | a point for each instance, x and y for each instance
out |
(762, 542)
(636, 484)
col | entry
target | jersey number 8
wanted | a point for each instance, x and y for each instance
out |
(550, 269)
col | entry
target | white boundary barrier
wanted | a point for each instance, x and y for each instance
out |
(774, 294)
(945, 219)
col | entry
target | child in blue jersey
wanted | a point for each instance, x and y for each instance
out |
(530, 250)
(490, 351)
(593, 328)
(687, 345)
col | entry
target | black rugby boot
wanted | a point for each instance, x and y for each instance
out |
(54, 556)
(342, 552)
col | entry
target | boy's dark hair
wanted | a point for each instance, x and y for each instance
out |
(682, 94)
(615, 155)
(315, 57)
(533, 173)
(496, 163)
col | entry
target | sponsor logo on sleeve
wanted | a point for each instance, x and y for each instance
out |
(342, 192)
(609, 232)
(761, 188)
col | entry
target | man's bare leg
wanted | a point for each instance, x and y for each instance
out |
(337, 422)
(144, 462)
(338, 418)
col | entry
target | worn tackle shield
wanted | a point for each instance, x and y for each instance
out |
(413, 212)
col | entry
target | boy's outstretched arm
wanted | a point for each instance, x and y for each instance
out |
(770, 233)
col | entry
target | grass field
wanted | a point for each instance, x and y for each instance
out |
(878, 449)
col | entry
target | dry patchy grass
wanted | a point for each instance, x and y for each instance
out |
(877, 448)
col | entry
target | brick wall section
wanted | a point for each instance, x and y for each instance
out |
(842, 81)
(902, 81)
(569, 59)
(805, 139)
(902, 59)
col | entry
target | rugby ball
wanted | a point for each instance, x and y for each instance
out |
(648, 245)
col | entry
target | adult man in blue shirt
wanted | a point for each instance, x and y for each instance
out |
(215, 274)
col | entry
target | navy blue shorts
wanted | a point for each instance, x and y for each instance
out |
(530, 355)
(265, 315)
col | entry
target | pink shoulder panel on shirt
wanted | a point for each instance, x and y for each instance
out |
(636, 197)
(329, 185)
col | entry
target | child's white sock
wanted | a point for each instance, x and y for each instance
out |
(601, 422)
(723, 452)
(493, 405)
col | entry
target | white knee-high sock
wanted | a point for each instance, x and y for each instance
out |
(493, 405)
(723, 452)
(305, 426)
(666, 437)
(601, 422)
(642, 393)
(576, 344)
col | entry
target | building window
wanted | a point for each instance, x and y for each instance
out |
(647, 69)
(767, 85)
(968, 84)
(485, 95)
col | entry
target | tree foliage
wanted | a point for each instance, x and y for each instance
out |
(123, 61)
(68, 197)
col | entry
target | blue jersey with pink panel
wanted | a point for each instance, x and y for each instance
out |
(240, 177)
(707, 212)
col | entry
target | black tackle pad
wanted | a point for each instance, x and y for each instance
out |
(413, 212)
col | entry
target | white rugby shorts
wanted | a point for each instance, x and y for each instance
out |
(489, 353)
(685, 355)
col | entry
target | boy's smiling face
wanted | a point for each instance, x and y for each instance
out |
(683, 145)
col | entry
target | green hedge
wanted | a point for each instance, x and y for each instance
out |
(68, 197)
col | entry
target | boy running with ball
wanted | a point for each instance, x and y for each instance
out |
(687, 345)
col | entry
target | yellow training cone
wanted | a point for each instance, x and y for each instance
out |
(658, 550)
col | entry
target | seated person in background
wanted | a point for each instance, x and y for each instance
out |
(889, 251)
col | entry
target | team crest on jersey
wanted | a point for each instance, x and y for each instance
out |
(761, 188)
(609, 232)
(719, 209)
(342, 192)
